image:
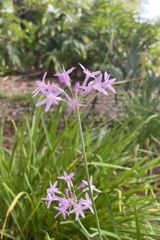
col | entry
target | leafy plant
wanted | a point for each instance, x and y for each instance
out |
(124, 173)
(38, 35)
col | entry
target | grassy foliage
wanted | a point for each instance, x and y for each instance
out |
(123, 159)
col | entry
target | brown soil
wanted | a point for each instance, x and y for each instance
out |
(11, 85)
(12, 109)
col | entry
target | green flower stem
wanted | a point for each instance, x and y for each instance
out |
(84, 230)
(87, 173)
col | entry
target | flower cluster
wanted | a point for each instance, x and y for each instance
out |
(54, 93)
(71, 201)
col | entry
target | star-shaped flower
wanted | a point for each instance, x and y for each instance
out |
(87, 202)
(51, 98)
(51, 193)
(108, 82)
(49, 199)
(72, 103)
(78, 209)
(64, 76)
(93, 188)
(53, 188)
(62, 210)
(40, 85)
(88, 74)
(98, 85)
(67, 178)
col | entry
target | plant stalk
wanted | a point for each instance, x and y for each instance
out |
(87, 173)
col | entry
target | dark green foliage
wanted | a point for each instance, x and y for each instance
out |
(101, 34)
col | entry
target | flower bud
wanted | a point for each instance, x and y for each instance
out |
(76, 87)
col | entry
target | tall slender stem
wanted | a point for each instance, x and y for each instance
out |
(84, 230)
(87, 174)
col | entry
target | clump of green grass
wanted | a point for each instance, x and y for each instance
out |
(16, 96)
(122, 168)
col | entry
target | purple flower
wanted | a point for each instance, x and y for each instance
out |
(66, 202)
(53, 188)
(51, 98)
(93, 188)
(72, 103)
(64, 76)
(56, 88)
(82, 185)
(78, 209)
(94, 85)
(51, 193)
(108, 83)
(70, 203)
(87, 202)
(66, 191)
(40, 86)
(49, 199)
(52, 91)
(62, 210)
(76, 87)
(98, 85)
(88, 74)
(87, 89)
(67, 178)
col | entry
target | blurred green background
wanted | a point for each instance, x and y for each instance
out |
(105, 34)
